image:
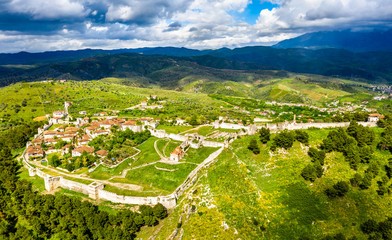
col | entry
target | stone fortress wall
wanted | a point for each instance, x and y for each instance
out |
(276, 127)
(95, 190)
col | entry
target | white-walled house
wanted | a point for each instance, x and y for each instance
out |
(59, 114)
(374, 117)
(78, 151)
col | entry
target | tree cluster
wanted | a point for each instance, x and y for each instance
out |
(355, 143)
(386, 139)
(314, 170)
(339, 189)
(285, 139)
(377, 230)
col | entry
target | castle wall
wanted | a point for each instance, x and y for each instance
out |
(73, 186)
(296, 126)
(167, 201)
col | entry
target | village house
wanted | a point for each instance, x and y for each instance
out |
(148, 122)
(180, 121)
(37, 141)
(177, 154)
(97, 133)
(107, 124)
(131, 124)
(60, 134)
(80, 150)
(58, 114)
(51, 150)
(50, 134)
(66, 138)
(66, 148)
(67, 104)
(72, 129)
(143, 103)
(50, 141)
(154, 97)
(91, 129)
(34, 151)
(70, 133)
(84, 140)
(102, 153)
(374, 117)
(83, 112)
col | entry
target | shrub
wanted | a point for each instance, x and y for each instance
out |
(264, 134)
(316, 155)
(338, 190)
(301, 136)
(253, 146)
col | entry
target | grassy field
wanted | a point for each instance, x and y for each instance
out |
(264, 197)
(148, 153)
(151, 177)
(103, 173)
(198, 155)
(37, 182)
(174, 129)
(206, 130)
(171, 146)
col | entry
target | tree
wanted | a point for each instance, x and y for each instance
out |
(54, 161)
(302, 136)
(366, 181)
(352, 155)
(309, 173)
(356, 180)
(284, 140)
(318, 169)
(253, 146)
(159, 211)
(338, 190)
(316, 155)
(366, 154)
(369, 226)
(264, 134)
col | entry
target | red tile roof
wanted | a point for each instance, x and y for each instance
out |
(84, 149)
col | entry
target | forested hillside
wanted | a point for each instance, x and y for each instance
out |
(223, 63)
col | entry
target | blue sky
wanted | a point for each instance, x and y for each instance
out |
(46, 25)
(252, 11)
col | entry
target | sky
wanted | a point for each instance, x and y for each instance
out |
(48, 25)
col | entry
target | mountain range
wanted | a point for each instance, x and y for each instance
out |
(349, 40)
(166, 65)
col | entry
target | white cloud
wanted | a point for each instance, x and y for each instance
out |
(122, 13)
(48, 9)
(191, 23)
(306, 15)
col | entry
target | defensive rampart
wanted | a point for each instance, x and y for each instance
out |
(95, 190)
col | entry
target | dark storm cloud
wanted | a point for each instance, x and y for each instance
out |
(49, 16)
(173, 26)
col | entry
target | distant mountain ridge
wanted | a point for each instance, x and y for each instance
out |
(162, 63)
(26, 58)
(353, 41)
(221, 64)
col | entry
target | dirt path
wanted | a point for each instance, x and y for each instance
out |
(157, 150)
(127, 186)
(164, 148)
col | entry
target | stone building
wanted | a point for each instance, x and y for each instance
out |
(177, 154)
